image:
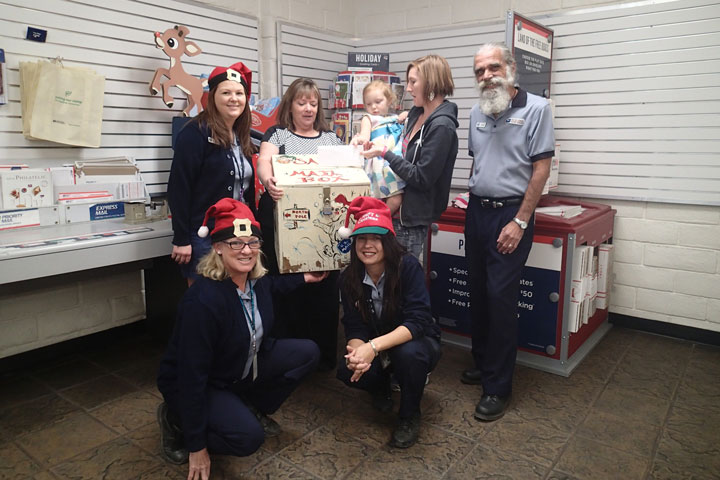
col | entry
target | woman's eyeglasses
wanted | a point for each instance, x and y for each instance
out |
(239, 244)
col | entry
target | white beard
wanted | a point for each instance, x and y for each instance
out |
(495, 100)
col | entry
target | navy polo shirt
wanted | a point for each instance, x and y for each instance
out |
(504, 148)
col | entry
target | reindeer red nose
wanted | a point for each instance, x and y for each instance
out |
(157, 34)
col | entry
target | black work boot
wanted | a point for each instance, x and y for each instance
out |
(406, 433)
(270, 426)
(172, 445)
(491, 407)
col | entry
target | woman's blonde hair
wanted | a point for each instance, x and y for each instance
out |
(212, 267)
(436, 73)
(384, 87)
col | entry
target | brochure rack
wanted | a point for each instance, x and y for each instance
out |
(545, 340)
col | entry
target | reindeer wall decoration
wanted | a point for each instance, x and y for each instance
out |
(174, 43)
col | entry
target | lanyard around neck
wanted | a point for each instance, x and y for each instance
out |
(240, 165)
(250, 315)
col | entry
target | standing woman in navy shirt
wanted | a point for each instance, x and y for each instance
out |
(223, 373)
(212, 161)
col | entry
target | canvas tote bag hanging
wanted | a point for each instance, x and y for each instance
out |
(64, 104)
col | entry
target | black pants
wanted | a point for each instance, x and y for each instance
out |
(410, 362)
(232, 429)
(312, 310)
(494, 290)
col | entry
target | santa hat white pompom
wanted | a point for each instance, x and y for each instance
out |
(203, 231)
(344, 232)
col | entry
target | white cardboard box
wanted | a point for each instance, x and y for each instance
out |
(312, 210)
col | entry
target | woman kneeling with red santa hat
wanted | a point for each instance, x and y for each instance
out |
(222, 374)
(388, 323)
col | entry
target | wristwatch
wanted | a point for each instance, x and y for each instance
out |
(522, 224)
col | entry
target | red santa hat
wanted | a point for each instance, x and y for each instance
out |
(237, 72)
(232, 219)
(371, 216)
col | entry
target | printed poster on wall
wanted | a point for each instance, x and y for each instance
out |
(531, 44)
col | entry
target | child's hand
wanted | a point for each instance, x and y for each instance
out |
(402, 116)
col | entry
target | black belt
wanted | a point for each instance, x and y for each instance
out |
(488, 202)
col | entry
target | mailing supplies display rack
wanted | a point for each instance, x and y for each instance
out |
(545, 338)
(346, 97)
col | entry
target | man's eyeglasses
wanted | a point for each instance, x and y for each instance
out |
(239, 244)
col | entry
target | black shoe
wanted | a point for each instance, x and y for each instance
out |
(270, 426)
(471, 376)
(406, 433)
(491, 407)
(171, 438)
(382, 402)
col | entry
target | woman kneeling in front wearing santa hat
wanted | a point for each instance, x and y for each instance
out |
(387, 319)
(222, 374)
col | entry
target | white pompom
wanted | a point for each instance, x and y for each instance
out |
(344, 232)
(203, 231)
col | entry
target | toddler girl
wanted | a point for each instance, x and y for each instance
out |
(382, 130)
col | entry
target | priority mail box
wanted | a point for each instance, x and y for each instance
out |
(312, 210)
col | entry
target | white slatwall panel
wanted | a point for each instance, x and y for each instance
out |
(638, 101)
(305, 52)
(116, 40)
(637, 89)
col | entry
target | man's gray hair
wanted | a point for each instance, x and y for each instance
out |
(507, 55)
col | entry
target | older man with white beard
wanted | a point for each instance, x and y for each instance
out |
(512, 142)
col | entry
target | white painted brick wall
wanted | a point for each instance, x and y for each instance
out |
(667, 263)
(713, 311)
(698, 284)
(623, 296)
(628, 252)
(680, 258)
(683, 213)
(650, 231)
(675, 304)
(46, 311)
(642, 276)
(463, 11)
(705, 236)
(17, 332)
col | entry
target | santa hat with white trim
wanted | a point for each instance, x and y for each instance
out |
(232, 219)
(371, 216)
(236, 72)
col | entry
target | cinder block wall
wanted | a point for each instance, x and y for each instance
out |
(667, 263)
(41, 312)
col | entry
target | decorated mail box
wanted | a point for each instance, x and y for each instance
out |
(312, 210)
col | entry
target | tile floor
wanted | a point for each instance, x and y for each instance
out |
(640, 406)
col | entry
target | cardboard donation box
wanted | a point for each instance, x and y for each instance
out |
(312, 210)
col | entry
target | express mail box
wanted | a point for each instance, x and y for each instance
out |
(312, 210)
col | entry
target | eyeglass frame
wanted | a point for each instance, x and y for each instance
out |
(257, 241)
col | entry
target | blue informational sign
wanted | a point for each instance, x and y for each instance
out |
(450, 293)
(537, 313)
(101, 211)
